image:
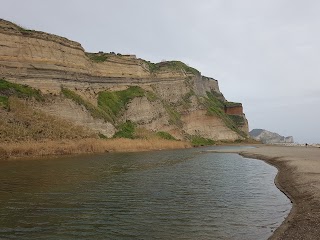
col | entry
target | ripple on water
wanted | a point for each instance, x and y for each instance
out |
(180, 194)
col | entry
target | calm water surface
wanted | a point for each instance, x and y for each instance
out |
(180, 194)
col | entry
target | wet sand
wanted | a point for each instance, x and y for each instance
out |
(299, 179)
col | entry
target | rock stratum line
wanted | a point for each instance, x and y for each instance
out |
(103, 91)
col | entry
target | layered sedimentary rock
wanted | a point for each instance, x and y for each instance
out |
(184, 103)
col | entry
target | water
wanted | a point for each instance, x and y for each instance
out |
(180, 194)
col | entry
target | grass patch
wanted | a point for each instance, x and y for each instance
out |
(126, 130)
(110, 104)
(175, 117)
(217, 95)
(187, 96)
(98, 57)
(186, 99)
(151, 96)
(198, 141)
(4, 102)
(114, 102)
(177, 65)
(216, 106)
(232, 104)
(171, 65)
(238, 120)
(153, 67)
(22, 91)
(165, 135)
(23, 29)
(94, 111)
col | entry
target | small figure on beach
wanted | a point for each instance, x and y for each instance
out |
(306, 144)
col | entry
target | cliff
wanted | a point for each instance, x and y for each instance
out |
(103, 91)
(269, 137)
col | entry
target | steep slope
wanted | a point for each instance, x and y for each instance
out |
(102, 91)
(269, 137)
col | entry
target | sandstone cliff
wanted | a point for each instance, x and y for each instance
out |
(103, 91)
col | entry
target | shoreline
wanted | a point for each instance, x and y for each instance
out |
(298, 178)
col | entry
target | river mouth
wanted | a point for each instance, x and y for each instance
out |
(176, 194)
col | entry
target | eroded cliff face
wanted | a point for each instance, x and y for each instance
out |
(176, 98)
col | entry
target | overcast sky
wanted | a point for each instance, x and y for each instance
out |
(265, 54)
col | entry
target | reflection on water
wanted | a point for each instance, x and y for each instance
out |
(180, 194)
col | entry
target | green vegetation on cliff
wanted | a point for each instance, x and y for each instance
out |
(178, 98)
(186, 99)
(22, 91)
(238, 120)
(174, 115)
(151, 96)
(187, 96)
(110, 104)
(126, 130)
(98, 57)
(22, 29)
(129, 129)
(4, 101)
(165, 135)
(94, 111)
(172, 66)
(198, 141)
(177, 65)
(20, 122)
(153, 67)
(216, 106)
(232, 104)
(114, 102)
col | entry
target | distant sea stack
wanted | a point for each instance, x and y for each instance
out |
(110, 93)
(269, 137)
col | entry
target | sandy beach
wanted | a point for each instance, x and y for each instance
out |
(299, 179)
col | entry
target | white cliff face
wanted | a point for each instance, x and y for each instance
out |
(269, 137)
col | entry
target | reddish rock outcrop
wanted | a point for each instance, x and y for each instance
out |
(234, 110)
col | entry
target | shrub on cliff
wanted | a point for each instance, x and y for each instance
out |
(126, 130)
(4, 101)
(98, 57)
(22, 91)
(178, 65)
(115, 101)
(198, 141)
(165, 135)
(94, 111)
(215, 106)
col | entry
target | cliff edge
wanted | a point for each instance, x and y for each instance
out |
(107, 92)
